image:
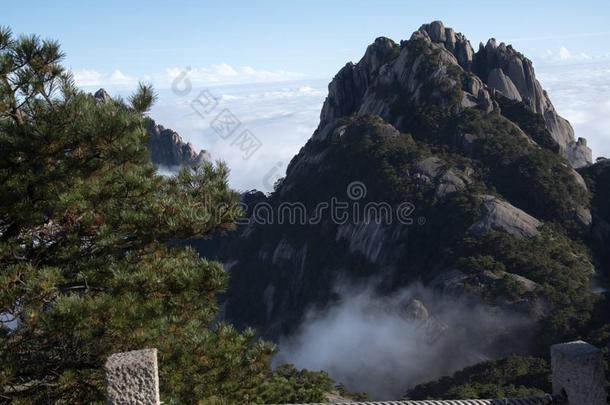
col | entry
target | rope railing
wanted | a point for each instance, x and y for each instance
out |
(542, 400)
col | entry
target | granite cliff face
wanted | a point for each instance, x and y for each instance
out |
(472, 143)
(166, 146)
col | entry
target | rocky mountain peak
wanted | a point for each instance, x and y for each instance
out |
(454, 42)
(438, 67)
(390, 80)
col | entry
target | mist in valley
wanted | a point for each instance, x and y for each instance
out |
(383, 345)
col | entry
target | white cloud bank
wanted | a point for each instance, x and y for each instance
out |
(562, 55)
(581, 94)
(282, 116)
(222, 73)
(227, 74)
(94, 78)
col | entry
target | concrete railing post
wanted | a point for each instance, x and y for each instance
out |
(578, 372)
(132, 378)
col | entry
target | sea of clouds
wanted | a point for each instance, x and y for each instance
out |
(282, 116)
(581, 94)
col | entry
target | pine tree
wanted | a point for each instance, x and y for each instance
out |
(86, 264)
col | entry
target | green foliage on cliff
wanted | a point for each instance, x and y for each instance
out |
(530, 122)
(85, 267)
(289, 385)
(514, 376)
(560, 268)
(530, 177)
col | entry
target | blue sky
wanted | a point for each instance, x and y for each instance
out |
(269, 62)
(312, 38)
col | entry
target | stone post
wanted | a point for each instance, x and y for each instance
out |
(132, 378)
(578, 372)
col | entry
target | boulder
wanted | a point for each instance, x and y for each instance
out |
(583, 216)
(578, 153)
(416, 310)
(526, 284)
(132, 378)
(449, 183)
(436, 31)
(430, 167)
(498, 215)
(431, 170)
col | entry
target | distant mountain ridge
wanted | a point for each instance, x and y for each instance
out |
(168, 149)
(166, 146)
